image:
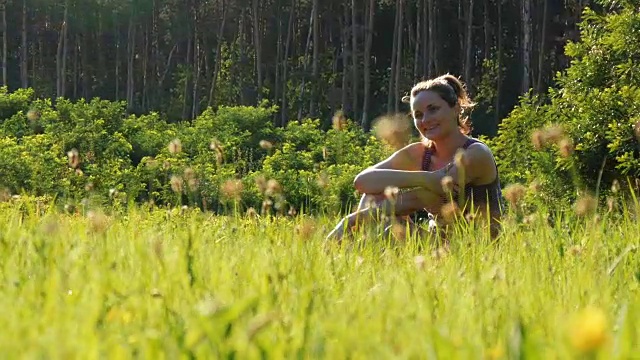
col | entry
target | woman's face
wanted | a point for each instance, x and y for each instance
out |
(432, 116)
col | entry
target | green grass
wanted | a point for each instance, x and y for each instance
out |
(159, 284)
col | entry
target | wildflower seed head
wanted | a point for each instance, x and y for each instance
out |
(566, 147)
(5, 195)
(191, 179)
(306, 229)
(535, 187)
(232, 189)
(175, 146)
(514, 193)
(215, 145)
(395, 130)
(251, 213)
(615, 186)
(391, 193)
(611, 203)
(267, 145)
(419, 261)
(585, 205)
(554, 133)
(177, 184)
(266, 206)
(450, 211)
(33, 115)
(273, 188)
(89, 186)
(447, 184)
(339, 120)
(323, 180)
(292, 211)
(98, 221)
(537, 139)
(74, 158)
(261, 183)
(113, 193)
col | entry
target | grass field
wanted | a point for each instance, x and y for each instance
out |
(180, 284)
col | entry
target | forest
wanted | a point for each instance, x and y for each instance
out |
(308, 57)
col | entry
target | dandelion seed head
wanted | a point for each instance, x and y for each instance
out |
(447, 184)
(514, 193)
(74, 158)
(391, 193)
(175, 146)
(585, 205)
(566, 147)
(395, 130)
(339, 120)
(232, 189)
(267, 145)
(177, 183)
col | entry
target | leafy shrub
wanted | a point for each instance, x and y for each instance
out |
(596, 105)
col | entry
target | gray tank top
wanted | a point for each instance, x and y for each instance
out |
(478, 195)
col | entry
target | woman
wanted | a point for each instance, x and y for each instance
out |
(425, 172)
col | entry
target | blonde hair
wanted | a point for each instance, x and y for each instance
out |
(452, 91)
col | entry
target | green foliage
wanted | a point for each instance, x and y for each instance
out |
(123, 157)
(597, 105)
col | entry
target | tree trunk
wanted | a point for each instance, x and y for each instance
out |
(216, 67)
(117, 70)
(354, 60)
(541, 52)
(499, 62)
(4, 42)
(285, 63)
(394, 47)
(196, 59)
(526, 45)
(418, 44)
(314, 67)
(84, 65)
(487, 30)
(75, 66)
(366, 122)
(345, 58)
(305, 65)
(61, 55)
(187, 81)
(433, 63)
(131, 46)
(425, 39)
(257, 46)
(398, 72)
(468, 44)
(276, 95)
(24, 61)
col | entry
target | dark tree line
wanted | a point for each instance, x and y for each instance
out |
(309, 57)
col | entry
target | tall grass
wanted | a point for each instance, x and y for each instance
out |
(181, 283)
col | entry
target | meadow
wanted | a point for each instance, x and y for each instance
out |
(183, 283)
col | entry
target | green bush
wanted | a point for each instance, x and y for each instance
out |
(597, 106)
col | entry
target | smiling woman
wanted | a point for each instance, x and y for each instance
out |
(447, 164)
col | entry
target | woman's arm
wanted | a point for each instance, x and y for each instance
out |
(374, 181)
(478, 166)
